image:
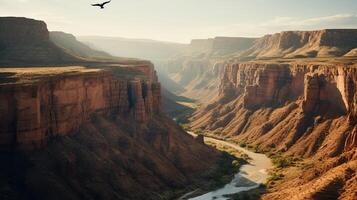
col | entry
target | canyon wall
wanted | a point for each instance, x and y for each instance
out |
(59, 104)
(304, 91)
(300, 44)
(273, 84)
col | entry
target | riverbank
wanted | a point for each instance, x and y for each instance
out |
(250, 176)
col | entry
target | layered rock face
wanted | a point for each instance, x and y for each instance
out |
(317, 89)
(263, 84)
(298, 109)
(59, 105)
(27, 40)
(296, 44)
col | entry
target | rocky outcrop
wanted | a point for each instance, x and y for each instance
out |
(300, 44)
(27, 41)
(33, 111)
(262, 84)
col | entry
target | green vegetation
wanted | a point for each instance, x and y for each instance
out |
(227, 166)
(273, 177)
(198, 132)
(232, 151)
(185, 127)
(243, 144)
(280, 161)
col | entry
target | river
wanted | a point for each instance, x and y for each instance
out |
(249, 176)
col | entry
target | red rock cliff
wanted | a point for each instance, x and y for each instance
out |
(58, 104)
(273, 84)
(256, 97)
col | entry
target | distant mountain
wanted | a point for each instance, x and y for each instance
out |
(220, 46)
(73, 46)
(197, 70)
(135, 48)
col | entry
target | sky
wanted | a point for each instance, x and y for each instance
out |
(183, 20)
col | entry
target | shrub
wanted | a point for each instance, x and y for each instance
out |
(243, 144)
(283, 162)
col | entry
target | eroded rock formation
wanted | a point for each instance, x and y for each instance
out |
(262, 84)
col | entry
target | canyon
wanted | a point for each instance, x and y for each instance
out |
(77, 123)
(80, 123)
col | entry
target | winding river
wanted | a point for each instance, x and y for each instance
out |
(249, 176)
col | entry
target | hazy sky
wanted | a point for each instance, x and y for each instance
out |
(182, 20)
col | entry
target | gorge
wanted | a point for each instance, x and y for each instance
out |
(301, 108)
(81, 123)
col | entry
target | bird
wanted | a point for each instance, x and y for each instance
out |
(101, 5)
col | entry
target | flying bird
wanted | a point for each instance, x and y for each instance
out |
(101, 5)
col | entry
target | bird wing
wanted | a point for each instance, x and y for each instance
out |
(106, 2)
(96, 4)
